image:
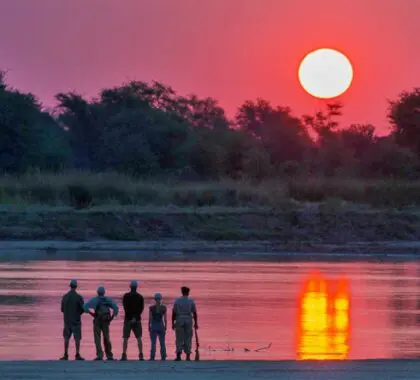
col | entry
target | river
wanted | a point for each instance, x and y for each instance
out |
(247, 310)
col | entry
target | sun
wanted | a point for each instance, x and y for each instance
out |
(325, 73)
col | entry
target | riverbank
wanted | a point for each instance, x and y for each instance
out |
(355, 370)
(291, 228)
(190, 250)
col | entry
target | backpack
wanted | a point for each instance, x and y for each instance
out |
(102, 312)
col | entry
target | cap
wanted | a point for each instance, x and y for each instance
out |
(73, 283)
(133, 284)
(158, 296)
(101, 290)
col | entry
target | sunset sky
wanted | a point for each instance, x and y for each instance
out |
(232, 50)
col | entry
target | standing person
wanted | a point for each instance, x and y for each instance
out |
(183, 313)
(133, 308)
(102, 319)
(158, 322)
(72, 309)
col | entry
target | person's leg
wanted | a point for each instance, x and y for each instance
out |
(66, 336)
(77, 334)
(97, 337)
(153, 338)
(162, 344)
(188, 338)
(107, 340)
(179, 336)
(66, 348)
(138, 333)
(126, 336)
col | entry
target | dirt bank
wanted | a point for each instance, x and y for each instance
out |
(357, 370)
(301, 226)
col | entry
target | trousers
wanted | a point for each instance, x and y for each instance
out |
(184, 334)
(102, 328)
(154, 335)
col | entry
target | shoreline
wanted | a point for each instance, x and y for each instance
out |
(218, 370)
(196, 251)
(208, 234)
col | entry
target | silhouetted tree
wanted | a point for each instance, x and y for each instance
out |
(404, 116)
(26, 134)
(283, 136)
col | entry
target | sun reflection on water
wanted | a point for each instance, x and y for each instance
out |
(324, 319)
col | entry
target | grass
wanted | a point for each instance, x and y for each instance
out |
(115, 190)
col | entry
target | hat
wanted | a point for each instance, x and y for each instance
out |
(158, 296)
(101, 291)
(73, 284)
(133, 284)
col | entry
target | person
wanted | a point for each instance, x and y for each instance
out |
(102, 319)
(72, 309)
(133, 303)
(183, 312)
(157, 327)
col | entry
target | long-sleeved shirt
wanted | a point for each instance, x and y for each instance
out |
(133, 303)
(94, 302)
(72, 307)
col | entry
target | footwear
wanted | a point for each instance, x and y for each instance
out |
(98, 358)
(178, 358)
(188, 359)
(79, 357)
(151, 359)
(65, 357)
(141, 357)
(163, 359)
(123, 357)
(110, 359)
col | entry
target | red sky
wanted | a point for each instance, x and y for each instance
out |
(233, 50)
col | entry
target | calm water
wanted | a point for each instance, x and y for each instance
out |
(305, 310)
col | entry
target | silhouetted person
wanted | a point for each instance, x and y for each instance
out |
(158, 322)
(183, 313)
(72, 309)
(133, 303)
(102, 319)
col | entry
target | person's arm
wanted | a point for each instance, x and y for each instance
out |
(165, 319)
(62, 305)
(150, 319)
(90, 305)
(174, 316)
(141, 304)
(195, 315)
(114, 307)
(125, 303)
(81, 303)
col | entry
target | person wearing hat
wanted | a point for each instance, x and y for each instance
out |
(183, 313)
(133, 303)
(72, 309)
(102, 319)
(157, 326)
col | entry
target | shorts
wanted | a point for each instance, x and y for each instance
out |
(74, 329)
(132, 326)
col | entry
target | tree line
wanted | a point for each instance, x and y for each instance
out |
(148, 129)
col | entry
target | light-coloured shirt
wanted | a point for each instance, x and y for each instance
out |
(184, 308)
(107, 301)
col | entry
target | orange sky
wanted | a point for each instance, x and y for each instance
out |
(232, 50)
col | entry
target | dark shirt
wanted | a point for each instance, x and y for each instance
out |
(72, 307)
(133, 303)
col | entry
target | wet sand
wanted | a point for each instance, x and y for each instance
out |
(361, 370)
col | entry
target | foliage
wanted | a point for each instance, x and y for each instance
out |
(148, 130)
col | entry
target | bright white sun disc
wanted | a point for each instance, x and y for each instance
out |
(325, 73)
